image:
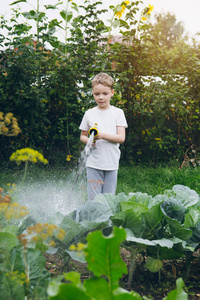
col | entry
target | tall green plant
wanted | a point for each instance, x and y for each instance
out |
(103, 258)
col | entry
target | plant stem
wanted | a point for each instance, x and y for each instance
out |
(132, 265)
(158, 257)
(37, 25)
(25, 173)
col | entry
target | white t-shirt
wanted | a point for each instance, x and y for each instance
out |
(105, 155)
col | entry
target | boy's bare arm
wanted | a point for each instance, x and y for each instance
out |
(84, 136)
(119, 137)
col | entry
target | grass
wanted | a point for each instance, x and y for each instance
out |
(145, 179)
(34, 173)
(154, 180)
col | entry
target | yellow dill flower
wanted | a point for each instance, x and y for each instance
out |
(37, 228)
(62, 231)
(144, 19)
(44, 236)
(151, 7)
(72, 248)
(23, 240)
(15, 276)
(143, 132)
(15, 204)
(9, 213)
(158, 139)
(9, 115)
(68, 158)
(6, 199)
(16, 211)
(35, 239)
(54, 226)
(60, 235)
(33, 160)
(4, 205)
(28, 154)
(4, 129)
(52, 243)
(50, 230)
(80, 247)
(8, 125)
(7, 120)
(23, 213)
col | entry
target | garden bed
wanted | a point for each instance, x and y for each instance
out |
(144, 282)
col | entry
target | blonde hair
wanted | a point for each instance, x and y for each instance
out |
(103, 78)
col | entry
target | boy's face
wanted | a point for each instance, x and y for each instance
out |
(102, 95)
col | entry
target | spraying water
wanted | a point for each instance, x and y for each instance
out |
(44, 198)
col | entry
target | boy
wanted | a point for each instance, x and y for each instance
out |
(103, 162)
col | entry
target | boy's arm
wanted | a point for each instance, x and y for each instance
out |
(119, 137)
(84, 136)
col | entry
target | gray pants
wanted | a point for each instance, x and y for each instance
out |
(100, 182)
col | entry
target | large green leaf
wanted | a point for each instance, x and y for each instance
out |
(195, 237)
(79, 256)
(32, 263)
(62, 291)
(121, 294)
(91, 225)
(8, 241)
(141, 198)
(113, 201)
(179, 293)
(74, 277)
(191, 218)
(130, 237)
(184, 194)
(94, 211)
(153, 265)
(152, 217)
(11, 288)
(173, 209)
(175, 212)
(129, 219)
(70, 226)
(103, 257)
(179, 230)
(136, 207)
(98, 288)
(36, 267)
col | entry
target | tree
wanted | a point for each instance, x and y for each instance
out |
(166, 31)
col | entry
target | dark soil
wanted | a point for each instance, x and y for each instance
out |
(144, 282)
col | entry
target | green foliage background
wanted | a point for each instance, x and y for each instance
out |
(46, 83)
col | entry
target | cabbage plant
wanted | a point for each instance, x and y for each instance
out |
(166, 226)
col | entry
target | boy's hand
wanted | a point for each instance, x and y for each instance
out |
(119, 137)
(99, 136)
